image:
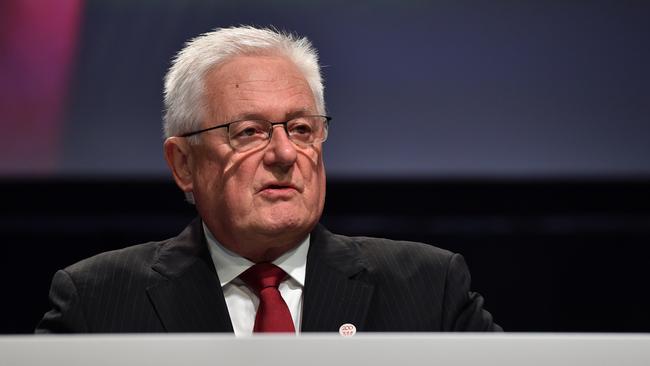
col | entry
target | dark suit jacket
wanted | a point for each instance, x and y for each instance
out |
(172, 286)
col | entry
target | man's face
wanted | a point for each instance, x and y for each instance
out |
(268, 199)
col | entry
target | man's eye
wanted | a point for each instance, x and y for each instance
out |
(300, 129)
(247, 130)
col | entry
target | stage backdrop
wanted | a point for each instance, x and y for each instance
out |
(422, 89)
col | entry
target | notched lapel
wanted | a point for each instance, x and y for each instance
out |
(192, 302)
(333, 296)
(190, 299)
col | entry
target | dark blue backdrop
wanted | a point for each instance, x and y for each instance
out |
(418, 89)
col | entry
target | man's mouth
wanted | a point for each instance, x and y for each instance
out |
(279, 186)
(279, 190)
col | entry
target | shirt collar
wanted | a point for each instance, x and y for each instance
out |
(230, 265)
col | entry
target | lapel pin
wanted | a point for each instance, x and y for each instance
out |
(347, 330)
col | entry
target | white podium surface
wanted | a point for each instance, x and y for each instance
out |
(399, 349)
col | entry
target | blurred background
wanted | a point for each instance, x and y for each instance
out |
(514, 132)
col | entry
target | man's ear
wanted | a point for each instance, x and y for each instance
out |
(177, 153)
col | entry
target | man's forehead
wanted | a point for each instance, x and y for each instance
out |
(253, 87)
(246, 76)
(256, 68)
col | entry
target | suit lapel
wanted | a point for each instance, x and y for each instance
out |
(333, 296)
(190, 298)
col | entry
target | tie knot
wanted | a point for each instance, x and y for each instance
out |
(263, 275)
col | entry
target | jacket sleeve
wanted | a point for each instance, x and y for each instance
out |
(66, 315)
(462, 308)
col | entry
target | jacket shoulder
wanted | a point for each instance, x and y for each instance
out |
(115, 264)
(432, 283)
(380, 252)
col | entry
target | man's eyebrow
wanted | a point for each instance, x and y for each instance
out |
(244, 116)
(298, 112)
(261, 116)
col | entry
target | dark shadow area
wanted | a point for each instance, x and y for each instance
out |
(547, 255)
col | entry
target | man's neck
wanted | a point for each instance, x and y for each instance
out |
(259, 248)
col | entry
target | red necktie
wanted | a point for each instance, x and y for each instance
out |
(273, 313)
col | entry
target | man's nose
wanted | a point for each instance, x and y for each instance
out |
(281, 150)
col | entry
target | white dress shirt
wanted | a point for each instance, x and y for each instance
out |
(242, 303)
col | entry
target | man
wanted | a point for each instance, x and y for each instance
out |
(245, 125)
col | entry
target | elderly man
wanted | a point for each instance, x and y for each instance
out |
(245, 124)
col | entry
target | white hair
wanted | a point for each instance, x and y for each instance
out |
(185, 103)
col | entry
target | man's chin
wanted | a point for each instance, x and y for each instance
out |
(279, 224)
(280, 228)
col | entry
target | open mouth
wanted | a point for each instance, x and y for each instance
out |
(279, 190)
(276, 186)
